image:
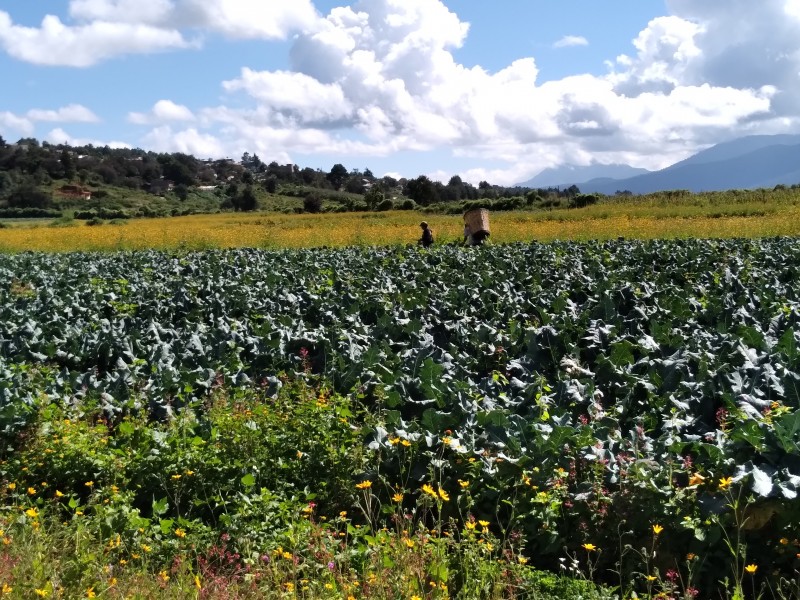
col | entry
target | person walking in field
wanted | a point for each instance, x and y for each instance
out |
(427, 235)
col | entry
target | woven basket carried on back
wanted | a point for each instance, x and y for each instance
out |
(478, 220)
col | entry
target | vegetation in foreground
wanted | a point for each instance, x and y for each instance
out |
(624, 413)
(246, 496)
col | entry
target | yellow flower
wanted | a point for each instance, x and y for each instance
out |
(483, 523)
(343, 514)
(650, 577)
(189, 472)
(589, 547)
(394, 441)
(180, 533)
(176, 476)
(197, 582)
(6, 589)
(289, 586)
(469, 525)
(751, 569)
(398, 497)
(464, 484)
(406, 443)
(146, 548)
(31, 491)
(784, 541)
(287, 555)
(657, 529)
(59, 494)
(32, 512)
(691, 556)
(41, 593)
(725, 482)
(164, 577)
(89, 484)
(696, 479)
(522, 560)
(12, 486)
(429, 490)
(443, 495)
(90, 592)
(415, 597)
(364, 485)
(408, 542)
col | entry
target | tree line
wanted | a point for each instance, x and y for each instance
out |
(28, 169)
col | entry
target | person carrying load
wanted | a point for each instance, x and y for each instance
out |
(476, 226)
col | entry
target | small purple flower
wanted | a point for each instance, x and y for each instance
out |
(331, 566)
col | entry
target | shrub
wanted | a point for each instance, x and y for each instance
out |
(408, 204)
(312, 203)
(385, 205)
(29, 213)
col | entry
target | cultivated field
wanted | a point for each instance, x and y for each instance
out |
(310, 406)
(397, 422)
(642, 220)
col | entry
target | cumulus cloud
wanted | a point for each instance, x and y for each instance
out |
(72, 113)
(188, 141)
(26, 125)
(54, 43)
(9, 122)
(294, 94)
(102, 29)
(59, 136)
(571, 40)
(162, 111)
(381, 76)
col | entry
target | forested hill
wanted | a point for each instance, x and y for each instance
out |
(40, 177)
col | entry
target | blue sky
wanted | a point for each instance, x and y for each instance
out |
(495, 91)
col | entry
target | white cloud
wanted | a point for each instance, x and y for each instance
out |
(59, 136)
(162, 111)
(380, 77)
(188, 141)
(104, 29)
(11, 122)
(293, 93)
(72, 113)
(121, 11)
(246, 19)
(57, 44)
(571, 40)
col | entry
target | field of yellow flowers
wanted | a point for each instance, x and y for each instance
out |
(273, 230)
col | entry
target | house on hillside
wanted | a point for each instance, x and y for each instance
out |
(159, 187)
(74, 191)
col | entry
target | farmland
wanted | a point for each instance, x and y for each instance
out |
(626, 412)
(642, 219)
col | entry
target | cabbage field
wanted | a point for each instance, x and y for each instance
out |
(625, 410)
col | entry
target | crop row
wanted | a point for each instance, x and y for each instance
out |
(585, 381)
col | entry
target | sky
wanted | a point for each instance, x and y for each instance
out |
(494, 91)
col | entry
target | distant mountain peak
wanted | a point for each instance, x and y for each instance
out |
(567, 175)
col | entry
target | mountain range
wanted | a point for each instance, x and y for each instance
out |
(758, 161)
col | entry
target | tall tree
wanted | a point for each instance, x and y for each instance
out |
(337, 176)
(68, 164)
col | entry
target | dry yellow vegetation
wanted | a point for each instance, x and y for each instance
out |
(298, 231)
